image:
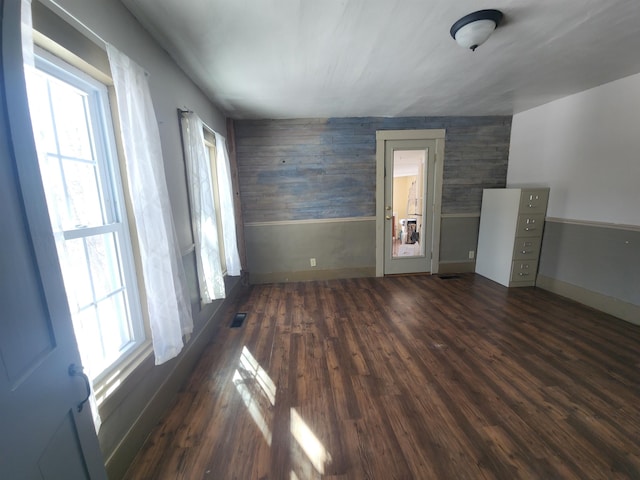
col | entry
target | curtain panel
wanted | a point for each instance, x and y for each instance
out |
(203, 210)
(223, 167)
(165, 283)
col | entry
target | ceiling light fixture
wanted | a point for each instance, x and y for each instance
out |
(473, 30)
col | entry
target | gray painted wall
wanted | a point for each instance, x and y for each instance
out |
(282, 251)
(302, 169)
(595, 257)
(458, 237)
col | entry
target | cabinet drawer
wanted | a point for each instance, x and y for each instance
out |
(533, 201)
(526, 248)
(530, 225)
(524, 271)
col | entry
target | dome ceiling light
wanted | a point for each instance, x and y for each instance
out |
(472, 30)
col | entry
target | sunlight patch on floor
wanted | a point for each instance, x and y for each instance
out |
(313, 448)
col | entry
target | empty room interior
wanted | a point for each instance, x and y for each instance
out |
(352, 239)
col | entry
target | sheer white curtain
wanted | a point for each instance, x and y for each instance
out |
(203, 213)
(164, 278)
(226, 206)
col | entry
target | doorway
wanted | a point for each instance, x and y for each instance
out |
(408, 199)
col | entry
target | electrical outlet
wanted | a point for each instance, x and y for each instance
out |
(472, 254)
(312, 261)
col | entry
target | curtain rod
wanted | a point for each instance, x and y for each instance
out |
(184, 111)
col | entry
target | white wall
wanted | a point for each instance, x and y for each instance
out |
(586, 147)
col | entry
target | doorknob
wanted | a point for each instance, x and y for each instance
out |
(388, 217)
(77, 371)
(388, 207)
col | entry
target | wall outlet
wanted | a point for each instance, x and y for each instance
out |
(472, 254)
(312, 261)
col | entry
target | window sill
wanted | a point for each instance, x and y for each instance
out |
(111, 390)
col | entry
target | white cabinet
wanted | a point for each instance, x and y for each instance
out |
(511, 225)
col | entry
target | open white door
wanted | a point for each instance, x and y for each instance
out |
(45, 433)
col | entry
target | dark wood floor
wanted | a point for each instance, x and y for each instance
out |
(407, 377)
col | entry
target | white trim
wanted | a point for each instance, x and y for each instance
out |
(589, 223)
(111, 185)
(309, 221)
(431, 134)
(82, 232)
(382, 136)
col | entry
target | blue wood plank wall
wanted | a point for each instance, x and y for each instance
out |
(326, 168)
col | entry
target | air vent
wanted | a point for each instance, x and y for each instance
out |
(238, 319)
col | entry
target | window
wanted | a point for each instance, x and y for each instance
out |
(80, 173)
(212, 210)
(210, 148)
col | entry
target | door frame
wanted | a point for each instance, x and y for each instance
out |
(382, 136)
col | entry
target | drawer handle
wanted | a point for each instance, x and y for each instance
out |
(532, 205)
(527, 251)
(523, 274)
(528, 229)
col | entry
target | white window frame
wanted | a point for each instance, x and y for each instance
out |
(211, 149)
(116, 221)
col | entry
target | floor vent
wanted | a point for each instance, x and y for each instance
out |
(448, 277)
(238, 318)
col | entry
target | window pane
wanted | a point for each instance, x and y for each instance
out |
(211, 151)
(54, 189)
(43, 129)
(76, 275)
(85, 208)
(71, 116)
(86, 328)
(104, 264)
(114, 335)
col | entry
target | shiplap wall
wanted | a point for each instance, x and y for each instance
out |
(325, 168)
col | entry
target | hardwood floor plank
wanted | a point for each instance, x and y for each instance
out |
(512, 384)
(409, 378)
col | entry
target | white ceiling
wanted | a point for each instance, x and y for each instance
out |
(345, 58)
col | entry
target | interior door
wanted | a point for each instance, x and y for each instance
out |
(44, 434)
(408, 200)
